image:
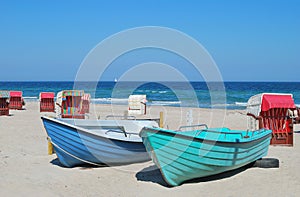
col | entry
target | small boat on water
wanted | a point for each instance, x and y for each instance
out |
(109, 142)
(185, 155)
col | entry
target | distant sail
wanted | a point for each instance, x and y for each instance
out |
(116, 80)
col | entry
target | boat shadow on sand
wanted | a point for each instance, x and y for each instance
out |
(152, 174)
(85, 166)
(56, 162)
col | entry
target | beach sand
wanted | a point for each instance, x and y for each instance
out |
(26, 169)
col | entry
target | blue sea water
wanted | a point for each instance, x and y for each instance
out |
(168, 94)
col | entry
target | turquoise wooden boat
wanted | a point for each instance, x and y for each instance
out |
(185, 155)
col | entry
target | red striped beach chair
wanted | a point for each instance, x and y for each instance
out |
(69, 104)
(47, 102)
(86, 103)
(272, 112)
(15, 100)
(4, 100)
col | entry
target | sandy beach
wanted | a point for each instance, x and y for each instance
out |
(27, 170)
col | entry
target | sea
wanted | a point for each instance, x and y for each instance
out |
(178, 94)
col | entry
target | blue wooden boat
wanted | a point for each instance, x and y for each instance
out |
(109, 142)
(185, 155)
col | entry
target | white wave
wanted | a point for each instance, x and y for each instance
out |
(241, 104)
(297, 105)
(162, 103)
(222, 105)
(30, 97)
(124, 101)
(162, 92)
(110, 100)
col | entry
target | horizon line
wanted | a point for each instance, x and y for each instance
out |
(148, 81)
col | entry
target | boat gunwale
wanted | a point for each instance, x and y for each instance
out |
(64, 136)
(83, 130)
(207, 141)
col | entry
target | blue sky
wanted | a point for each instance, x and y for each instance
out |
(251, 40)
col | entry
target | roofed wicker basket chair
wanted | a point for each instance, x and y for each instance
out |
(16, 100)
(86, 100)
(47, 102)
(4, 100)
(69, 104)
(271, 111)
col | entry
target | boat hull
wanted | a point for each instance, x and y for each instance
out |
(75, 146)
(182, 156)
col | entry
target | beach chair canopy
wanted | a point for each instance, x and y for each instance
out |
(44, 95)
(15, 94)
(266, 101)
(4, 94)
(62, 95)
(271, 101)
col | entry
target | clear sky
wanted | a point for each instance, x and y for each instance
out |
(251, 40)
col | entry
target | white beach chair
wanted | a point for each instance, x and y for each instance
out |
(137, 104)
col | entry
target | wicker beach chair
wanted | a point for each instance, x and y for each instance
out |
(47, 102)
(4, 100)
(297, 115)
(86, 103)
(137, 104)
(271, 111)
(15, 100)
(69, 104)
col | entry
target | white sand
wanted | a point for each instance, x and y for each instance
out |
(26, 169)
